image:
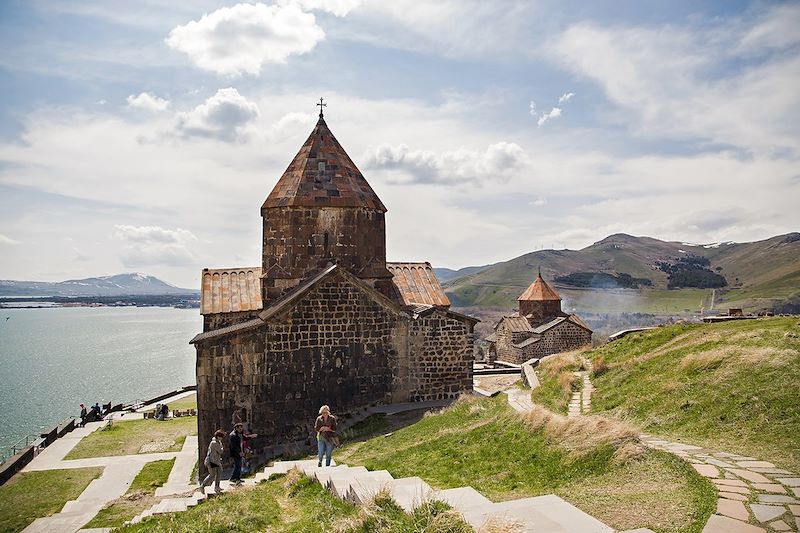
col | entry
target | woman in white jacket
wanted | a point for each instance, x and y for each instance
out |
(213, 462)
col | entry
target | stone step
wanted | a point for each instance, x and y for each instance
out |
(462, 498)
(324, 475)
(410, 492)
(364, 487)
(542, 513)
(339, 479)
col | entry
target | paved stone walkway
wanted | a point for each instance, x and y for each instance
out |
(118, 473)
(750, 491)
(581, 401)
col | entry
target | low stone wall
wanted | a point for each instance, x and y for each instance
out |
(529, 376)
(15, 464)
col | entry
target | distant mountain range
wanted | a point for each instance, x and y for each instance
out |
(640, 274)
(130, 284)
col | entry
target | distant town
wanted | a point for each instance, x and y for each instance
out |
(152, 300)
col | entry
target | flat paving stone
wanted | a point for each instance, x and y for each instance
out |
(765, 513)
(733, 509)
(796, 491)
(777, 498)
(706, 470)
(721, 464)
(775, 471)
(733, 496)
(731, 482)
(790, 481)
(738, 490)
(749, 476)
(779, 525)
(770, 487)
(795, 509)
(756, 464)
(723, 524)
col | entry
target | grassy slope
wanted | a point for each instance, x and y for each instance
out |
(31, 495)
(730, 386)
(765, 269)
(299, 505)
(482, 444)
(127, 438)
(136, 500)
(557, 381)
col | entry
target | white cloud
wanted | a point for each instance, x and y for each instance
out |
(148, 102)
(553, 113)
(243, 38)
(154, 245)
(539, 202)
(7, 240)
(452, 167)
(668, 81)
(565, 97)
(223, 116)
(340, 8)
(532, 109)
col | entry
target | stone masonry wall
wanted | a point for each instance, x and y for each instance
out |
(506, 351)
(223, 320)
(298, 241)
(440, 357)
(336, 346)
(561, 338)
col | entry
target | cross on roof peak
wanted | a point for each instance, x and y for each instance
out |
(321, 104)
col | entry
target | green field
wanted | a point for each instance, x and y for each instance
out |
(483, 444)
(31, 495)
(731, 386)
(136, 436)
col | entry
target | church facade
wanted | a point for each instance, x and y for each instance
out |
(540, 328)
(325, 319)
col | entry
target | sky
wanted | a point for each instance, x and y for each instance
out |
(144, 136)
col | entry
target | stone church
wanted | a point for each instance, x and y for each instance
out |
(539, 328)
(324, 319)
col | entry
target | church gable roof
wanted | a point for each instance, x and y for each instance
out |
(291, 298)
(515, 323)
(539, 290)
(230, 290)
(416, 284)
(322, 174)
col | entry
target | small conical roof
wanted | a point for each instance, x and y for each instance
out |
(539, 290)
(323, 175)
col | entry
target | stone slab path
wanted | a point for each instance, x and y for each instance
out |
(118, 474)
(753, 496)
(581, 401)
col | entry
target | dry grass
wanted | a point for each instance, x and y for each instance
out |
(567, 382)
(749, 356)
(497, 524)
(553, 365)
(581, 435)
(599, 366)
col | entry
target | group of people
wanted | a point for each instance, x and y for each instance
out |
(89, 415)
(324, 426)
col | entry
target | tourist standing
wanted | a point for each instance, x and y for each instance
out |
(84, 414)
(325, 426)
(213, 461)
(235, 439)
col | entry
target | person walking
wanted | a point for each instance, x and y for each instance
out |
(325, 426)
(235, 439)
(213, 462)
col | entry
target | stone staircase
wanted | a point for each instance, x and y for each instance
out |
(356, 484)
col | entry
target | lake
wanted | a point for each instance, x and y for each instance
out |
(54, 359)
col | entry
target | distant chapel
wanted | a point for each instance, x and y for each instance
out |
(540, 328)
(324, 319)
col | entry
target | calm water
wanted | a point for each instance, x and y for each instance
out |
(51, 360)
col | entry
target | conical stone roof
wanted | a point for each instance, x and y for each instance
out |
(323, 175)
(539, 291)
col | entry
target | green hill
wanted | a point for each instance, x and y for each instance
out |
(759, 275)
(731, 386)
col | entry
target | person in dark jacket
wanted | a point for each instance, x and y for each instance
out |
(84, 414)
(235, 442)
